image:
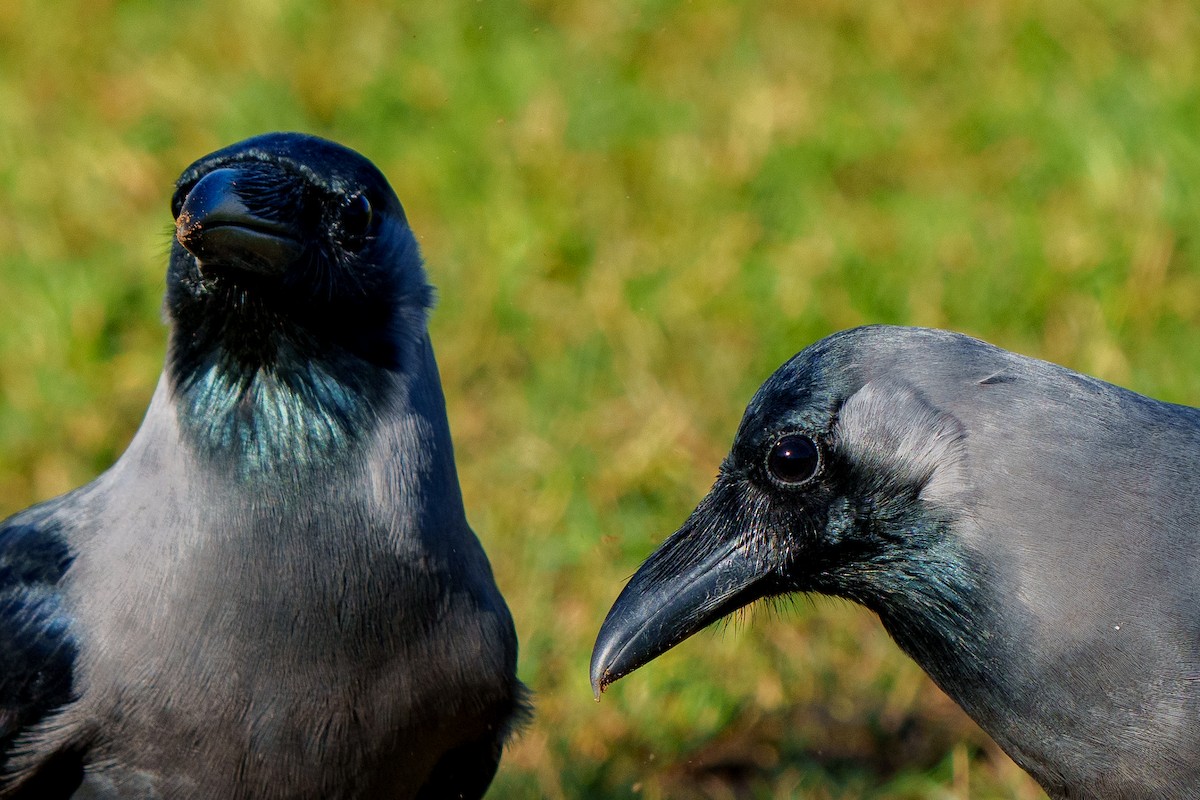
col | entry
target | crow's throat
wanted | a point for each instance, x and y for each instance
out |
(264, 388)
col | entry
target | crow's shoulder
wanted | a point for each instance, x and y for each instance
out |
(37, 645)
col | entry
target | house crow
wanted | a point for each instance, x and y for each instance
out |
(1029, 535)
(274, 592)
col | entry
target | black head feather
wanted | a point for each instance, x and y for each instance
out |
(295, 289)
(290, 245)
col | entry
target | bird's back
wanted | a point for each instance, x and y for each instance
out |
(1080, 500)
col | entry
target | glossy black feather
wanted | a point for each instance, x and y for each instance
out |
(39, 648)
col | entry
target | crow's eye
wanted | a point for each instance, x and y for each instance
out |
(357, 215)
(793, 460)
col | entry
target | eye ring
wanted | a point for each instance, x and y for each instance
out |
(793, 460)
(357, 214)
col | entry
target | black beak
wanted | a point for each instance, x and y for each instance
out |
(704, 571)
(216, 226)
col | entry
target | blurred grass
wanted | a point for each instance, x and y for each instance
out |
(633, 213)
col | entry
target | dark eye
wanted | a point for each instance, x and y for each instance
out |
(357, 215)
(793, 459)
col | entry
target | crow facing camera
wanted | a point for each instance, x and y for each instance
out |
(274, 592)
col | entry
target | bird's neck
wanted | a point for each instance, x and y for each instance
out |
(935, 610)
(249, 323)
(940, 606)
(275, 406)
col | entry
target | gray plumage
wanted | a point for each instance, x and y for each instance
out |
(274, 592)
(1029, 535)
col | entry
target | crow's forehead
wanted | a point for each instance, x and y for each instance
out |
(803, 395)
(320, 162)
(789, 401)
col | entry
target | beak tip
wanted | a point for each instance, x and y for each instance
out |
(687, 583)
(600, 682)
(597, 673)
(186, 233)
(608, 658)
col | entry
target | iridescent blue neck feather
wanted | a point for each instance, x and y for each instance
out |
(284, 418)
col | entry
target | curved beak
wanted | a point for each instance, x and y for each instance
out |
(701, 573)
(216, 226)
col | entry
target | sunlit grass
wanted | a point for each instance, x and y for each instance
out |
(633, 213)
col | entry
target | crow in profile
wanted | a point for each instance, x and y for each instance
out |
(274, 592)
(1029, 535)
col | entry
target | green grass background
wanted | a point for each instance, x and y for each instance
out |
(633, 213)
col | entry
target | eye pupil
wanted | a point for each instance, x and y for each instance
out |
(793, 459)
(357, 215)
